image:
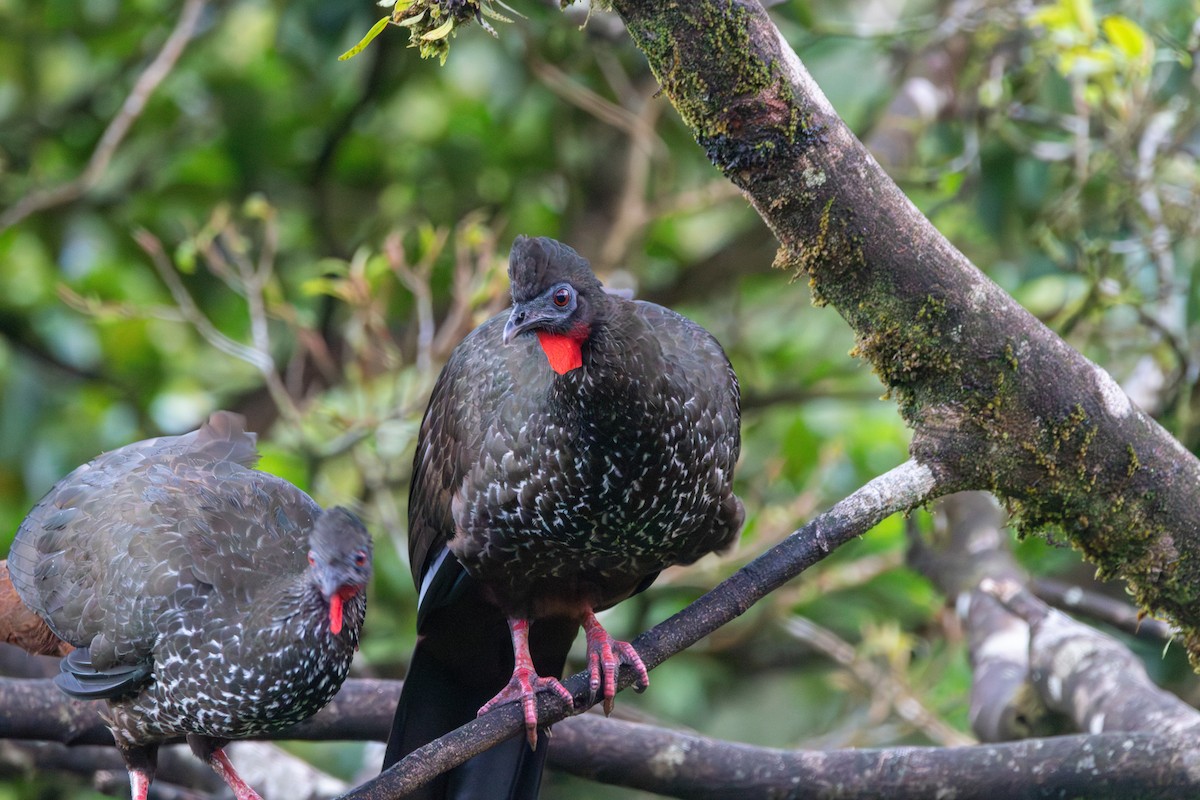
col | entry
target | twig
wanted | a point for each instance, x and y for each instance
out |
(587, 100)
(907, 486)
(131, 109)
(881, 681)
(190, 311)
(416, 279)
(259, 356)
(474, 255)
(1121, 615)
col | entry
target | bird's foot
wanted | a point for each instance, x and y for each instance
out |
(523, 687)
(605, 657)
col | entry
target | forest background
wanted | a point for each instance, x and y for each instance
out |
(223, 215)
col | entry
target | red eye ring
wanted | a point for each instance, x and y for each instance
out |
(360, 558)
(562, 297)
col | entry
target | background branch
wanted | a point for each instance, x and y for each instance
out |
(1118, 766)
(145, 85)
(676, 763)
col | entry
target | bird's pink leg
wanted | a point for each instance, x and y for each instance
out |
(525, 682)
(139, 784)
(605, 656)
(224, 767)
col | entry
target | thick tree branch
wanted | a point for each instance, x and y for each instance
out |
(1100, 608)
(1118, 766)
(903, 488)
(995, 399)
(1090, 676)
(36, 709)
(969, 548)
(1036, 670)
(270, 769)
(684, 765)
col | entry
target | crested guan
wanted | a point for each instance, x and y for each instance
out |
(573, 447)
(204, 598)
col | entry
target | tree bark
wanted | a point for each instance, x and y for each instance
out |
(36, 709)
(996, 400)
(1118, 766)
(1090, 676)
(972, 547)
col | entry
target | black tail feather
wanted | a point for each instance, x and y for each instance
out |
(463, 658)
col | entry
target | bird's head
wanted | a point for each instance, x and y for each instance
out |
(340, 560)
(556, 296)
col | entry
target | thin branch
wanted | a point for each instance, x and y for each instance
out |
(190, 311)
(883, 682)
(259, 355)
(115, 133)
(587, 100)
(1101, 608)
(415, 278)
(901, 489)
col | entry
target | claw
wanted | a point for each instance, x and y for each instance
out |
(605, 656)
(526, 683)
(523, 688)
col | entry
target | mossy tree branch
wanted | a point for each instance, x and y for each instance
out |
(995, 399)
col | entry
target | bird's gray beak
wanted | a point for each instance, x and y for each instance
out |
(518, 322)
(329, 585)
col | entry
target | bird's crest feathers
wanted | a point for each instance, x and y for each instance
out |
(536, 263)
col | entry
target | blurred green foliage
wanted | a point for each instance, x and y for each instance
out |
(327, 218)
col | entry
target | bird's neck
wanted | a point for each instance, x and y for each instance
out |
(612, 348)
(302, 599)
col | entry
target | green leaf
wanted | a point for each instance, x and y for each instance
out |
(366, 40)
(1085, 16)
(440, 32)
(1127, 36)
(408, 22)
(488, 11)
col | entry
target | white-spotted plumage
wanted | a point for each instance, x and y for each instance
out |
(197, 590)
(573, 448)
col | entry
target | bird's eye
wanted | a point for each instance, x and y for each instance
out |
(360, 558)
(562, 296)
(312, 558)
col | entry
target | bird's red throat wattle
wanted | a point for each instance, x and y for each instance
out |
(564, 351)
(335, 607)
